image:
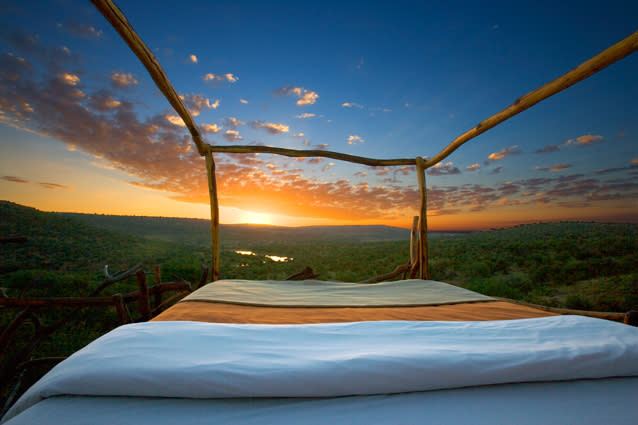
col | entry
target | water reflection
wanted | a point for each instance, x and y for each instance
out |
(279, 259)
(275, 258)
(245, 252)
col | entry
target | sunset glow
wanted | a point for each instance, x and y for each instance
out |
(84, 129)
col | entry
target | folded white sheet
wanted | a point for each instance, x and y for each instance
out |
(209, 360)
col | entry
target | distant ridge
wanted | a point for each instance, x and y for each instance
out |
(195, 231)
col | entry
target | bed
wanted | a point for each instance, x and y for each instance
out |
(413, 351)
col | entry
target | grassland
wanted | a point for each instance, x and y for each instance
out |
(577, 265)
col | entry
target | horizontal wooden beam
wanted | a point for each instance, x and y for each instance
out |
(312, 153)
(117, 19)
(584, 70)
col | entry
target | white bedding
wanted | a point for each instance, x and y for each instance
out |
(207, 360)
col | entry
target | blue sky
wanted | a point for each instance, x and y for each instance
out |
(79, 114)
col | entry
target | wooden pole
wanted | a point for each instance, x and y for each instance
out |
(304, 153)
(214, 216)
(424, 271)
(144, 301)
(584, 70)
(414, 241)
(118, 300)
(157, 279)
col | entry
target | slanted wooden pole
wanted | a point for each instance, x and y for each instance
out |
(424, 270)
(602, 60)
(214, 216)
(114, 15)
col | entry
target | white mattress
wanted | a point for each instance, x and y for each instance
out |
(242, 363)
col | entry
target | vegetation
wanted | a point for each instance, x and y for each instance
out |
(574, 265)
(584, 265)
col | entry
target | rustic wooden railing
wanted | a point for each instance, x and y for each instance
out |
(149, 301)
(117, 19)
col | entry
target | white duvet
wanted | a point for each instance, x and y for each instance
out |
(206, 360)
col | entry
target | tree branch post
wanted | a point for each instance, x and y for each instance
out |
(214, 217)
(424, 270)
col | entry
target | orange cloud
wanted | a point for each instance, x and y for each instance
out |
(585, 140)
(211, 128)
(306, 97)
(14, 179)
(511, 150)
(271, 128)
(354, 139)
(221, 77)
(123, 80)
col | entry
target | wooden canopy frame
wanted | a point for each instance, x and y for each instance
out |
(117, 19)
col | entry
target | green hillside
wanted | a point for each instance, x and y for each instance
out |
(578, 265)
(197, 231)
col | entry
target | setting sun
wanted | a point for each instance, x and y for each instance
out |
(253, 217)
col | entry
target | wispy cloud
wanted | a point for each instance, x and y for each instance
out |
(123, 80)
(633, 166)
(232, 136)
(70, 79)
(232, 122)
(175, 120)
(299, 135)
(221, 77)
(586, 140)
(14, 179)
(327, 166)
(473, 167)
(557, 167)
(548, 149)
(270, 127)
(192, 59)
(441, 169)
(244, 101)
(103, 101)
(211, 128)
(81, 30)
(305, 115)
(197, 102)
(55, 186)
(351, 105)
(509, 151)
(306, 97)
(354, 140)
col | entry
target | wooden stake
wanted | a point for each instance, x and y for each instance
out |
(414, 241)
(145, 303)
(118, 300)
(157, 279)
(214, 216)
(424, 272)
(586, 69)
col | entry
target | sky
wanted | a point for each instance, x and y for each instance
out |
(84, 129)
